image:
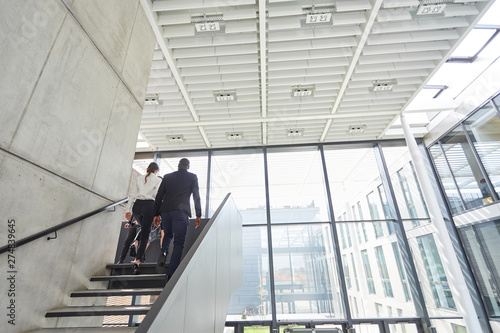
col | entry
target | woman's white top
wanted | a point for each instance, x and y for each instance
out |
(144, 190)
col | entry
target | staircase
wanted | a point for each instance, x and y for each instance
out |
(122, 286)
(210, 271)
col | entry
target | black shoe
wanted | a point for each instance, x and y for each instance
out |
(167, 277)
(136, 269)
(119, 262)
(160, 264)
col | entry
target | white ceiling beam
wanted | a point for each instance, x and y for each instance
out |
(153, 20)
(361, 43)
(263, 65)
(365, 115)
(166, 5)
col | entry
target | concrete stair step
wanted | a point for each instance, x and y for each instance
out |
(87, 330)
(116, 292)
(77, 311)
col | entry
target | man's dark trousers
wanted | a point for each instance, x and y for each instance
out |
(174, 224)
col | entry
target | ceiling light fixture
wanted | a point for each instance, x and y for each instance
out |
(225, 96)
(207, 26)
(234, 135)
(295, 132)
(430, 9)
(300, 91)
(318, 18)
(357, 128)
(383, 85)
(175, 138)
(151, 99)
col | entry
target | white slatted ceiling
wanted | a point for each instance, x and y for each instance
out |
(400, 46)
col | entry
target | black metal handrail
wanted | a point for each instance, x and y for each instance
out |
(55, 228)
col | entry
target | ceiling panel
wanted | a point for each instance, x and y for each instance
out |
(253, 55)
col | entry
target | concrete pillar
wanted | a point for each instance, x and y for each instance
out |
(73, 77)
(451, 265)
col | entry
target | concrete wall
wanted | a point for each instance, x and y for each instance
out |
(73, 75)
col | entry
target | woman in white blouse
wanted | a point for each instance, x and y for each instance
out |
(142, 203)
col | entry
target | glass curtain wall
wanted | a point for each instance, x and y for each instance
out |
(291, 262)
(305, 276)
(467, 160)
(481, 245)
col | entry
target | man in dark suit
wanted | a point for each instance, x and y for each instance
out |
(173, 202)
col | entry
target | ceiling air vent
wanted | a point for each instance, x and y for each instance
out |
(151, 99)
(383, 85)
(225, 96)
(234, 135)
(356, 128)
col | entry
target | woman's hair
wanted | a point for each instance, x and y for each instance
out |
(152, 167)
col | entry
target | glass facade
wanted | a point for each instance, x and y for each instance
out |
(467, 159)
(436, 277)
(305, 279)
(481, 245)
(327, 228)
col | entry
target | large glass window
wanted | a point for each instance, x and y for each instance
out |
(481, 245)
(484, 130)
(384, 273)
(253, 299)
(198, 166)
(353, 264)
(242, 174)
(368, 271)
(447, 181)
(402, 272)
(436, 276)
(352, 174)
(406, 187)
(464, 167)
(347, 274)
(296, 186)
(374, 213)
(305, 277)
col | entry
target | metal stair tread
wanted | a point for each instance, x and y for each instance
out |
(116, 292)
(129, 265)
(115, 310)
(127, 277)
(86, 330)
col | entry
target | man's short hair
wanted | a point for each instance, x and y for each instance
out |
(184, 163)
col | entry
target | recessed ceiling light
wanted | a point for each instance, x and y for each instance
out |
(207, 26)
(383, 85)
(430, 9)
(234, 135)
(299, 91)
(356, 128)
(225, 96)
(295, 132)
(175, 138)
(151, 99)
(318, 18)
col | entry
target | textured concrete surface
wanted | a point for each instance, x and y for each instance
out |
(71, 106)
(27, 32)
